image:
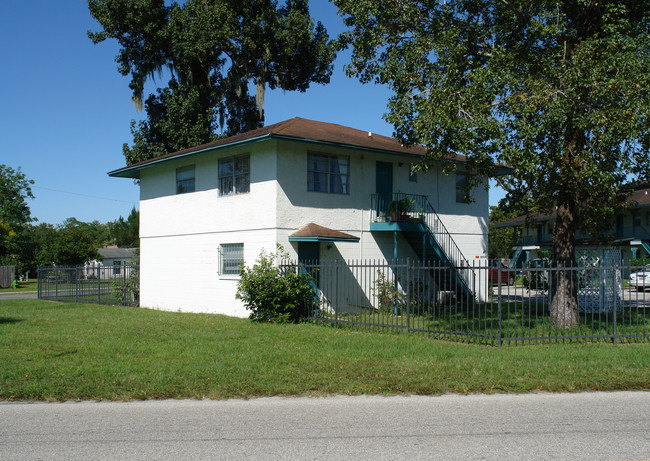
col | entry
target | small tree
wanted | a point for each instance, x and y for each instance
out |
(275, 295)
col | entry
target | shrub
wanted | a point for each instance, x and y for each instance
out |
(278, 295)
(389, 297)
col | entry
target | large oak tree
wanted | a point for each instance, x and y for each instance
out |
(221, 54)
(556, 90)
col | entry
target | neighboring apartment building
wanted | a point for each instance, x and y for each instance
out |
(629, 233)
(321, 190)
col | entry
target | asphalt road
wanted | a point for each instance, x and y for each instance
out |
(28, 295)
(588, 426)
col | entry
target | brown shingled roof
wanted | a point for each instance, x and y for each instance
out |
(300, 129)
(641, 197)
(303, 128)
(637, 199)
(314, 230)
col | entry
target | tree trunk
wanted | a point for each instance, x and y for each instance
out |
(564, 288)
(564, 305)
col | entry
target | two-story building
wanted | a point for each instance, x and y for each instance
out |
(321, 190)
(629, 233)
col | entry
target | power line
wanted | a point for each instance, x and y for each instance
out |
(81, 195)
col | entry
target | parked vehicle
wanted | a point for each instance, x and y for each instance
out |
(537, 274)
(641, 279)
(493, 273)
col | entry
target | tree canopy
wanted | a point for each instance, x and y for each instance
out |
(221, 54)
(556, 90)
(125, 233)
(15, 189)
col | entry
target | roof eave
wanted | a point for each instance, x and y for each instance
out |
(133, 171)
(322, 239)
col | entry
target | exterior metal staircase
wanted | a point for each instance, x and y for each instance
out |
(415, 218)
(515, 260)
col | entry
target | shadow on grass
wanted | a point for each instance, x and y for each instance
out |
(10, 320)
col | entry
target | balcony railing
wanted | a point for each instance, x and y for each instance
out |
(401, 207)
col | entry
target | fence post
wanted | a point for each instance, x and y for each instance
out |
(99, 284)
(500, 338)
(615, 331)
(76, 284)
(408, 295)
(336, 282)
(38, 282)
(124, 283)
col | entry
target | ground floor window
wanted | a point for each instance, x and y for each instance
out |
(117, 266)
(231, 258)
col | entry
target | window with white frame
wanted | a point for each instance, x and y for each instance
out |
(234, 175)
(185, 179)
(328, 173)
(231, 258)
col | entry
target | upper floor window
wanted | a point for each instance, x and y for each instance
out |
(413, 175)
(234, 175)
(461, 185)
(185, 179)
(620, 225)
(328, 173)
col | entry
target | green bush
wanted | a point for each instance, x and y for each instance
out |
(278, 295)
(640, 261)
(389, 297)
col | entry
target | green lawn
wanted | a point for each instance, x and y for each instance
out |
(61, 351)
(29, 285)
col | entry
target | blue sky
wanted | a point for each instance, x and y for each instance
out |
(66, 110)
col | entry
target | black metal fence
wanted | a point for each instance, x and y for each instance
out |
(510, 306)
(115, 285)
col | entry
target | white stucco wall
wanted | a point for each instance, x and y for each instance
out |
(181, 234)
(296, 207)
(182, 272)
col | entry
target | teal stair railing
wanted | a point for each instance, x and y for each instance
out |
(417, 209)
(515, 259)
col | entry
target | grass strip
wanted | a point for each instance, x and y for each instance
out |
(21, 287)
(62, 351)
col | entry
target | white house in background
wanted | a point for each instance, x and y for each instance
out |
(323, 191)
(114, 262)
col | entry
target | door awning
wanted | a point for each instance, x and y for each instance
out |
(314, 233)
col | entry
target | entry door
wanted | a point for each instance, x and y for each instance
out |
(309, 254)
(384, 186)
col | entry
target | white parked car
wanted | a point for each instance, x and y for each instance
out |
(641, 279)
